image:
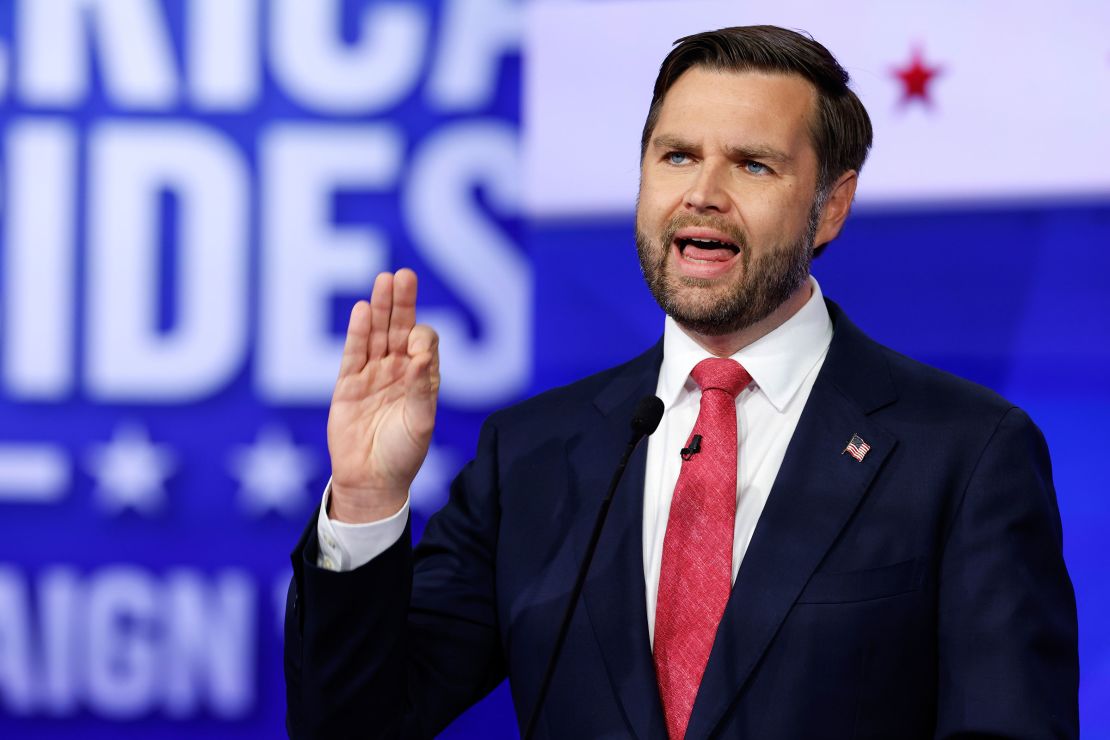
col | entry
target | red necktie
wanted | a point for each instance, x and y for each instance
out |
(696, 574)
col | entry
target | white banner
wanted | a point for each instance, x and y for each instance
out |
(982, 101)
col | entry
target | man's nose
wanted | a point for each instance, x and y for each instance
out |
(708, 191)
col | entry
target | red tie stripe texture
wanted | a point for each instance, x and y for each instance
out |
(696, 574)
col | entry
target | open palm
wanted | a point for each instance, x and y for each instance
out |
(383, 409)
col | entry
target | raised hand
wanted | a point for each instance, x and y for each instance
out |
(384, 405)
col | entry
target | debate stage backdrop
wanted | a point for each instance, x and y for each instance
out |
(194, 192)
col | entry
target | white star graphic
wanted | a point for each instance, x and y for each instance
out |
(430, 488)
(272, 473)
(130, 472)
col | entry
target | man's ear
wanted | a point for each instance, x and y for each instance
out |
(837, 207)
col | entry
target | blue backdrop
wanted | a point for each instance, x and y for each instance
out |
(193, 195)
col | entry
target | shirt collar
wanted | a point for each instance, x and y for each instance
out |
(778, 362)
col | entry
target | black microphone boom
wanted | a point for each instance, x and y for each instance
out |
(646, 420)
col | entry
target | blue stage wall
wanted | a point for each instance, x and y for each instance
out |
(147, 507)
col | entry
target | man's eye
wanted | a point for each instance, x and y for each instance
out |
(677, 158)
(756, 168)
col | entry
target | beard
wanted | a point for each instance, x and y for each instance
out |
(765, 283)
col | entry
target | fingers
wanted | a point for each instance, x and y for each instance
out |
(392, 314)
(358, 340)
(381, 306)
(403, 317)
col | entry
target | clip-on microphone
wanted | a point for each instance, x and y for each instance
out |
(695, 447)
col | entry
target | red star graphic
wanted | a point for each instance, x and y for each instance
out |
(915, 78)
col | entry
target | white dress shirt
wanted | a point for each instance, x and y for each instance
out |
(345, 546)
(783, 365)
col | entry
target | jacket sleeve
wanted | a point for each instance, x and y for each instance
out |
(402, 645)
(1007, 633)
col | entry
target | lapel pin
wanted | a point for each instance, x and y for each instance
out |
(857, 448)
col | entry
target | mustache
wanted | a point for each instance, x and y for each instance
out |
(685, 220)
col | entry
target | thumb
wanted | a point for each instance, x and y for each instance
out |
(422, 379)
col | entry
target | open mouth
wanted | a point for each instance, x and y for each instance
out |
(701, 247)
(706, 250)
(705, 253)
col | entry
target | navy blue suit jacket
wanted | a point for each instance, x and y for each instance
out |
(918, 593)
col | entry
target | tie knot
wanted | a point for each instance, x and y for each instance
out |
(721, 374)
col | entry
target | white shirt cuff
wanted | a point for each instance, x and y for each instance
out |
(344, 546)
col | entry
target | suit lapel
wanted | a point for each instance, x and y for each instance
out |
(815, 493)
(614, 594)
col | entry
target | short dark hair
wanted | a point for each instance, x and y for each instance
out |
(841, 129)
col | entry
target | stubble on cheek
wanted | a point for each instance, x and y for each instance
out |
(749, 293)
(687, 298)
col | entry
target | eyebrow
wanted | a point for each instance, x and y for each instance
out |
(756, 151)
(666, 141)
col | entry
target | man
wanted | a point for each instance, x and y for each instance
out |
(850, 544)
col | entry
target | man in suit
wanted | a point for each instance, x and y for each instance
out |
(851, 544)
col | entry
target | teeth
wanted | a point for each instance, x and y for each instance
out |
(707, 244)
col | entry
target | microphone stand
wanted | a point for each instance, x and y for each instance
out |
(649, 412)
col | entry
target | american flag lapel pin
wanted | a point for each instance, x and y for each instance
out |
(857, 448)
